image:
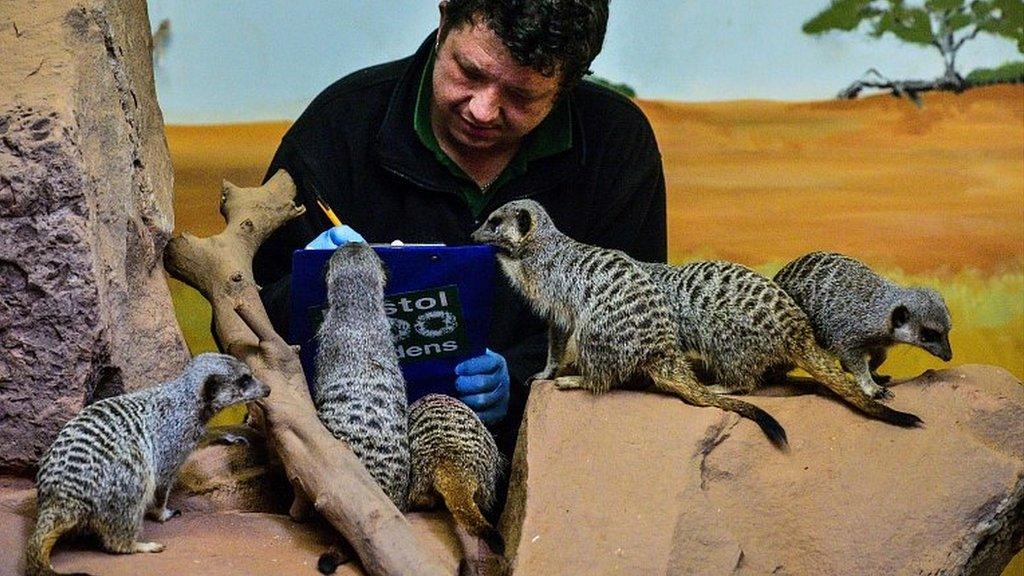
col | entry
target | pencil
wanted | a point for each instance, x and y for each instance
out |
(327, 210)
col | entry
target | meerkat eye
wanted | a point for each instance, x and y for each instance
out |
(929, 335)
(493, 223)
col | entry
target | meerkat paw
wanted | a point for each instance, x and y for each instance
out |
(881, 379)
(875, 391)
(545, 374)
(148, 547)
(567, 370)
(883, 394)
(569, 383)
(162, 514)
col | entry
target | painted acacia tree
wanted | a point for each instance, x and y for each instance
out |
(945, 25)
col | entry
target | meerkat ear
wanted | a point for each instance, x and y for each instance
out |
(524, 222)
(212, 386)
(900, 316)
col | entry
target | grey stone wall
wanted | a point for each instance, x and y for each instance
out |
(85, 213)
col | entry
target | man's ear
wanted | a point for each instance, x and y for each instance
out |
(442, 8)
(900, 316)
(524, 222)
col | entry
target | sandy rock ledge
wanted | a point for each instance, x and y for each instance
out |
(632, 483)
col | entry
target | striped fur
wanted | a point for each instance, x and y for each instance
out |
(455, 458)
(858, 315)
(117, 459)
(360, 393)
(744, 327)
(608, 321)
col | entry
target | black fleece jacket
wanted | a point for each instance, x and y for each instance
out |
(356, 146)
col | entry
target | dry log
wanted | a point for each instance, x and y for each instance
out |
(317, 464)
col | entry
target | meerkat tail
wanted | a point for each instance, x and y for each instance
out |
(457, 490)
(825, 369)
(50, 526)
(697, 395)
(336, 556)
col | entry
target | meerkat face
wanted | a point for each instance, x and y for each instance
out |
(355, 266)
(228, 381)
(923, 321)
(510, 228)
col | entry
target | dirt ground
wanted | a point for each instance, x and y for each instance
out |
(199, 543)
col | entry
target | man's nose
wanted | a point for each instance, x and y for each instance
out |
(485, 107)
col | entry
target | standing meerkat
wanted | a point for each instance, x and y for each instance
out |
(858, 315)
(607, 319)
(117, 459)
(360, 392)
(744, 327)
(455, 458)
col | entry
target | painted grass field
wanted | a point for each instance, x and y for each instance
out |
(931, 196)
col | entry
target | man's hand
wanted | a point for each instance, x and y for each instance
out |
(334, 237)
(482, 384)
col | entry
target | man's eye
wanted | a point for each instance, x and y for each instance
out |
(472, 75)
(520, 98)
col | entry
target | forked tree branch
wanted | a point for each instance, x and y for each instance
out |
(317, 464)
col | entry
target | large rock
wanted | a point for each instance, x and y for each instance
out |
(85, 212)
(634, 483)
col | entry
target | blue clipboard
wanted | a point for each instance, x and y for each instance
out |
(438, 299)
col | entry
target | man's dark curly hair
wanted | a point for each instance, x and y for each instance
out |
(550, 36)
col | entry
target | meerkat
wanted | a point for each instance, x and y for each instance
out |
(117, 459)
(609, 323)
(360, 392)
(454, 458)
(745, 328)
(858, 315)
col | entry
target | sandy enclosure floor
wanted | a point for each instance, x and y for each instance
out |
(198, 543)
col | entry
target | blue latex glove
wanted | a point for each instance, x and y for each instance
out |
(483, 384)
(333, 237)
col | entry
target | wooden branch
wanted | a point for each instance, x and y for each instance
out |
(318, 465)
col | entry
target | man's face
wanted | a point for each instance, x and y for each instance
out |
(483, 100)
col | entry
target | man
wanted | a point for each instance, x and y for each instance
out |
(489, 109)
